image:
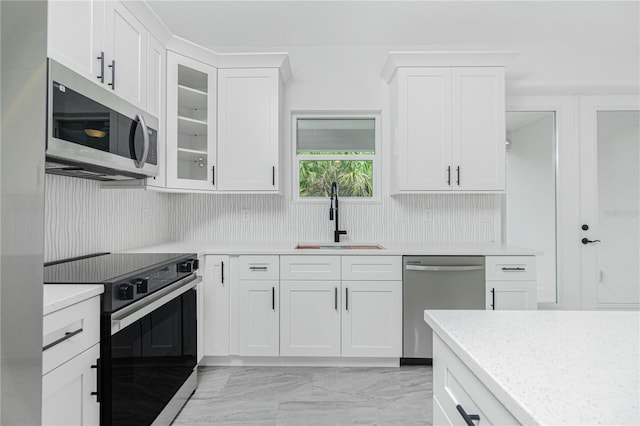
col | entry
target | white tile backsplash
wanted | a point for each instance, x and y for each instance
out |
(201, 217)
(82, 218)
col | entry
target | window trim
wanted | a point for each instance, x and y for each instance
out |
(375, 158)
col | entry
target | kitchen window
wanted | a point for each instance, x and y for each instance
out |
(341, 148)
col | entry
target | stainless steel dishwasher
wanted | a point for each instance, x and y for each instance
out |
(436, 282)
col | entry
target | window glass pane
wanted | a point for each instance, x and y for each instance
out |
(341, 135)
(354, 178)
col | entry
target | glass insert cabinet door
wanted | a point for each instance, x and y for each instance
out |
(610, 158)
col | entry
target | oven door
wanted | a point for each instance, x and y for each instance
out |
(150, 357)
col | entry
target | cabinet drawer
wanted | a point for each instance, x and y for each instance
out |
(70, 331)
(259, 268)
(372, 268)
(454, 384)
(305, 267)
(511, 268)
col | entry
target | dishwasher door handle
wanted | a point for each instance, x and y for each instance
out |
(444, 268)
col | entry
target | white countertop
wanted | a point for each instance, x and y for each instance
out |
(59, 296)
(551, 367)
(288, 247)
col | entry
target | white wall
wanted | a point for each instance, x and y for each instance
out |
(530, 219)
(336, 78)
(618, 206)
(81, 218)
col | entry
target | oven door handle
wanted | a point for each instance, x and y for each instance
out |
(134, 312)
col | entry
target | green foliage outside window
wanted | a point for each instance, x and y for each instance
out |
(354, 177)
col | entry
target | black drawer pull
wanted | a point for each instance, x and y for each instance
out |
(468, 418)
(68, 335)
(518, 268)
(258, 268)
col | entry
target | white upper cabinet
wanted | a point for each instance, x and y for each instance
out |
(448, 122)
(156, 103)
(191, 124)
(103, 41)
(126, 50)
(76, 35)
(478, 128)
(249, 129)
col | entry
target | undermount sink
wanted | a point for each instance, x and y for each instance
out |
(339, 246)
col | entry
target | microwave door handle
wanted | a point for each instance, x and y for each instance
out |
(132, 140)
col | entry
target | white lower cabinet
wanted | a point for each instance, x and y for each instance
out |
(511, 295)
(511, 283)
(372, 319)
(71, 339)
(455, 385)
(322, 314)
(309, 318)
(216, 306)
(67, 397)
(258, 318)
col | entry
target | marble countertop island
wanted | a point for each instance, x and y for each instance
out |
(551, 367)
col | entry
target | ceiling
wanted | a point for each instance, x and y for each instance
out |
(262, 24)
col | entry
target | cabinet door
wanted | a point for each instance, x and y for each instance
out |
(216, 306)
(248, 129)
(156, 105)
(191, 124)
(310, 318)
(478, 135)
(258, 318)
(511, 295)
(156, 78)
(126, 45)
(424, 129)
(76, 35)
(372, 319)
(66, 391)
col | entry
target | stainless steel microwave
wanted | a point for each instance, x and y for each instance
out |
(94, 134)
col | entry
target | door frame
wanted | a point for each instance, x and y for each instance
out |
(568, 290)
(589, 106)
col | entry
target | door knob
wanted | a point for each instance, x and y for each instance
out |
(588, 241)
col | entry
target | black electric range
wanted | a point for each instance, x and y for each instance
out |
(127, 277)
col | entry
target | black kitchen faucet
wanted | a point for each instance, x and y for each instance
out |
(333, 212)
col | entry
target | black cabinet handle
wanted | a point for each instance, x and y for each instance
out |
(68, 335)
(515, 269)
(449, 175)
(113, 75)
(101, 59)
(458, 170)
(273, 175)
(493, 299)
(222, 272)
(346, 293)
(468, 418)
(213, 175)
(98, 381)
(335, 295)
(273, 298)
(588, 241)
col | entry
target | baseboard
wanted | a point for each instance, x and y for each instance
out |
(258, 361)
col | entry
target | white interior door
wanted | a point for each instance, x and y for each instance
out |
(610, 158)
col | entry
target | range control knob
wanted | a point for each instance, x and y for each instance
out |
(126, 292)
(186, 266)
(142, 285)
(196, 264)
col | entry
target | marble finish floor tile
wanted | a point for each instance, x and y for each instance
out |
(310, 396)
